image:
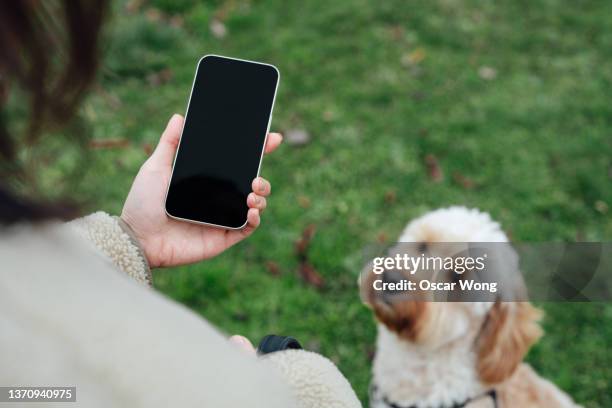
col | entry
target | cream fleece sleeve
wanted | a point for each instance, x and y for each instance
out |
(315, 381)
(115, 240)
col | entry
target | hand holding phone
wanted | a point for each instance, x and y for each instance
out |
(222, 143)
(229, 115)
(168, 242)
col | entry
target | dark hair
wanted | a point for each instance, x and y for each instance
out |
(49, 51)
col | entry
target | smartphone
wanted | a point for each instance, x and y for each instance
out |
(222, 143)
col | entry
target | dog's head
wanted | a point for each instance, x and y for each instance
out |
(499, 332)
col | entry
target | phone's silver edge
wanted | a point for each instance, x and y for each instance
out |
(263, 149)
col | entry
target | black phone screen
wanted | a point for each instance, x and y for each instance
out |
(222, 142)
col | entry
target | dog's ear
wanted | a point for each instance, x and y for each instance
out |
(365, 280)
(410, 320)
(507, 333)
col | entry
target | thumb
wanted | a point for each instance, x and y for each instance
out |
(168, 142)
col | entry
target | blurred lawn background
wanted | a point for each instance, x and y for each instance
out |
(390, 109)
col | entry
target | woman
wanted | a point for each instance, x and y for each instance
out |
(76, 308)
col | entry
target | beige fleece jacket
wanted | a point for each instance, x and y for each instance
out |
(76, 310)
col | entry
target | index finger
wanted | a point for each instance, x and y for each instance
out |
(274, 140)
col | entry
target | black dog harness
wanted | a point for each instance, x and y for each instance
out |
(375, 398)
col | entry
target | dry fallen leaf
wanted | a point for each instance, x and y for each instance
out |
(305, 269)
(328, 115)
(218, 29)
(463, 181)
(303, 201)
(310, 275)
(273, 268)
(297, 137)
(176, 21)
(302, 244)
(390, 196)
(396, 32)
(160, 77)
(119, 164)
(382, 237)
(147, 148)
(153, 15)
(487, 73)
(132, 6)
(414, 57)
(433, 168)
(601, 206)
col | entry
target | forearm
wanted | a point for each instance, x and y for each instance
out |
(113, 238)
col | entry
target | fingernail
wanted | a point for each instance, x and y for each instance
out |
(174, 117)
(262, 185)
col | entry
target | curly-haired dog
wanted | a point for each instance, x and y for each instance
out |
(455, 354)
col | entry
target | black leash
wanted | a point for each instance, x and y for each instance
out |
(491, 394)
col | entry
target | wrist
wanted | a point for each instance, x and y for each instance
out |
(135, 240)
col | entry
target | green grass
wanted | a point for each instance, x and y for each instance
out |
(379, 85)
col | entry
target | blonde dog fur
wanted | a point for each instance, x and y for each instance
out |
(437, 354)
